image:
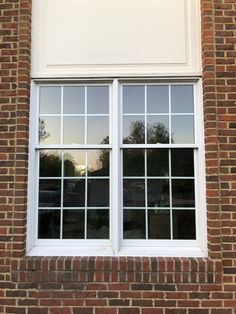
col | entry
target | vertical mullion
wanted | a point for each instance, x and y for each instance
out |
(62, 192)
(170, 126)
(170, 197)
(86, 162)
(62, 126)
(85, 114)
(145, 162)
(145, 114)
(86, 195)
(170, 172)
(146, 193)
(115, 169)
(62, 164)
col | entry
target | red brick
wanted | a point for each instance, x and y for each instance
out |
(129, 310)
(105, 311)
(152, 311)
(51, 285)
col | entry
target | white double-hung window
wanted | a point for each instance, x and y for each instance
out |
(116, 168)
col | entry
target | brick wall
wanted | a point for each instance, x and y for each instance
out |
(120, 285)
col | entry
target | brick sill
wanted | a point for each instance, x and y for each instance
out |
(33, 270)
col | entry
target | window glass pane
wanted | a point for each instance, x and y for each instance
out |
(73, 130)
(50, 100)
(49, 224)
(182, 129)
(73, 224)
(182, 99)
(134, 192)
(74, 193)
(74, 163)
(158, 129)
(98, 192)
(182, 162)
(98, 163)
(133, 130)
(98, 130)
(158, 162)
(184, 224)
(158, 193)
(50, 130)
(98, 224)
(133, 162)
(133, 99)
(158, 224)
(49, 193)
(157, 99)
(73, 99)
(183, 193)
(50, 164)
(98, 100)
(158, 183)
(134, 224)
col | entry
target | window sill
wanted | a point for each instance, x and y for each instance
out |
(160, 251)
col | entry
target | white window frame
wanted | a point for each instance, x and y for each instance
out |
(115, 246)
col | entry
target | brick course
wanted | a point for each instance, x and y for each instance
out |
(110, 285)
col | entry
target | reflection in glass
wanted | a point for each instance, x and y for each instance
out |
(184, 226)
(74, 193)
(182, 99)
(134, 192)
(133, 130)
(98, 100)
(133, 162)
(182, 162)
(98, 192)
(158, 193)
(134, 224)
(73, 130)
(73, 224)
(98, 224)
(133, 99)
(157, 162)
(182, 129)
(50, 130)
(74, 163)
(183, 193)
(98, 130)
(158, 224)
(50, 164)
(98, 163)
(49, 224)
(158, 129)
(73, 99)
(49, 193)
(157, 99)
(50, 100)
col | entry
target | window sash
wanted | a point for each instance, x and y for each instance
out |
(116, 245)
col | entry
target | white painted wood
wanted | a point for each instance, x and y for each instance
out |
(74, 38)
(76, 250)
(115, 212)
(32, 165)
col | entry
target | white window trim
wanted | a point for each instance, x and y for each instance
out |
(116, 246)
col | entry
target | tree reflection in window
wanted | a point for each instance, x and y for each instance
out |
(43, 134)
(156, 133)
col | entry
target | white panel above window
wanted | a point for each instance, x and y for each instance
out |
(75, 38)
